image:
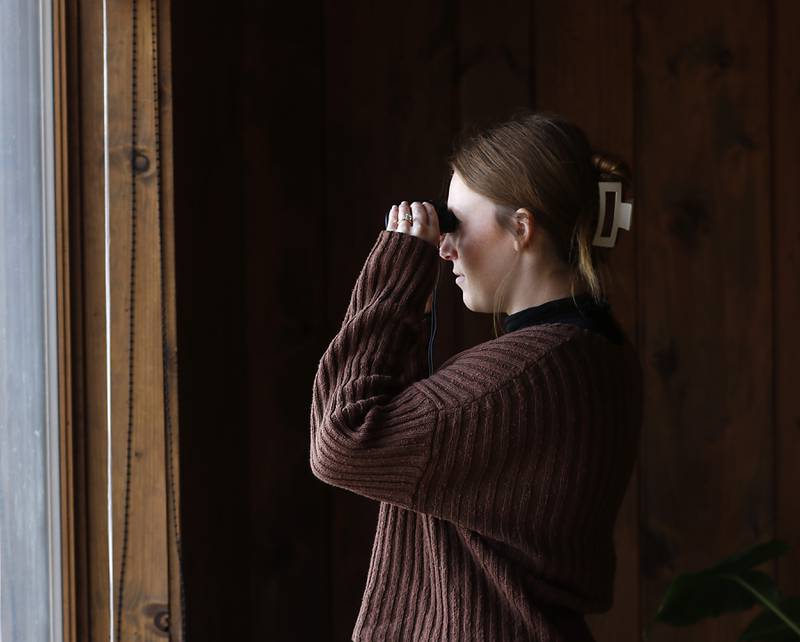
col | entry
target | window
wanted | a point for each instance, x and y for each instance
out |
(30, 548)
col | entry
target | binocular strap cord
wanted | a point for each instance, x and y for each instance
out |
(433, 320)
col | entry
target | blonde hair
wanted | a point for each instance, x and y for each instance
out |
(543, 162)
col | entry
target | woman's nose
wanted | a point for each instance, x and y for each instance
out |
(446, 247)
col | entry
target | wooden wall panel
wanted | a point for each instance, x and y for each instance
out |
(283, 198)
(583, 67)
(703, 146)
(323, 116)
(211, 301)
(784, 101)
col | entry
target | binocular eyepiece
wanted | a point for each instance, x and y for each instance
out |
(447, 220)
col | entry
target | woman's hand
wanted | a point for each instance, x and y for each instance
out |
(425, 224)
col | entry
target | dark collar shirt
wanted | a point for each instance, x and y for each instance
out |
(583, 312)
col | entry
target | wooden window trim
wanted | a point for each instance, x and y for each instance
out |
(152, 588)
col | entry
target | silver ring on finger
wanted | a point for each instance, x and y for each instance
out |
(406, 216)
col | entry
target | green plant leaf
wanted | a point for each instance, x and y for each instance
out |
(692, 597)
(770, 628)
(751, 557)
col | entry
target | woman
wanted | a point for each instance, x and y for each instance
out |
(500, 475)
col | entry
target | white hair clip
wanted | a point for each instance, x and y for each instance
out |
(622, 214)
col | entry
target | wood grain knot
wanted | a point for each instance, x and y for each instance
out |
(141, 163)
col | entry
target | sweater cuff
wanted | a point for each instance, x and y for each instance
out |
(400, 268)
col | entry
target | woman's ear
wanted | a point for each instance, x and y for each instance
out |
(523, 228)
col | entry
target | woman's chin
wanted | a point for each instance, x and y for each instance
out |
(473, 306)
(469, 303)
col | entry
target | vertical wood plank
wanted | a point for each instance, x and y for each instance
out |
(785, 94)
(283, 192)
(63, 109)
(90, 414)
(584, 70)
(703, 147)
(389, 107)
(211, 302)
(161, 22)
(137, 404)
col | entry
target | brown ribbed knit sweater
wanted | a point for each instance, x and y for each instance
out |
(499, 477)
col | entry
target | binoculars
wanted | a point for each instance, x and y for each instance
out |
(447, 220)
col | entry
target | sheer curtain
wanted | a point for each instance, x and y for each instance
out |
(30, 559)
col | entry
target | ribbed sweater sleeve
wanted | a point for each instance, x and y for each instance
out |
(370, 426)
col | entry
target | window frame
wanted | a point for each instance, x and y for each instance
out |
(93, 109)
